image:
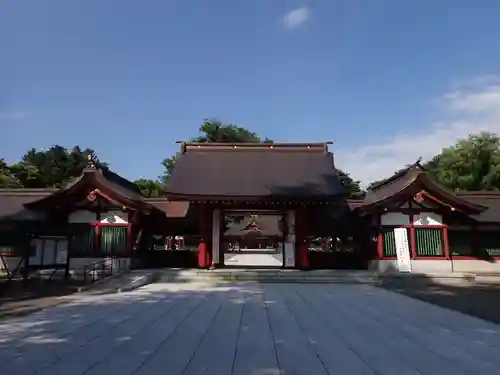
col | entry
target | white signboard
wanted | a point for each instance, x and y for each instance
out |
(402, 249)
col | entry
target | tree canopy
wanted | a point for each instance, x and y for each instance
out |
(7, 178)
(150, 188)
(352, 187)
(45, 168)
(470, 164)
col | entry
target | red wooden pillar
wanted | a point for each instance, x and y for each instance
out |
(380, 237)
(97, 233)
(97, 239)
(413, 242)
(380, 244)
(302, 232)
(206, 231)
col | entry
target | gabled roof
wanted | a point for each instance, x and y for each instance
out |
(12, 203)
(120, 181)
(488, 199)
(398, 175)
(263, 225)
(94, 181)
(414, 181)
(254, 171)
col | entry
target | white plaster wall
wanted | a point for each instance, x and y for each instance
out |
(417, 266)
(82, 216)
(427, 218)
(79, 263)
(114, 217)
(394, 218)
(476, 265)
(431, 266)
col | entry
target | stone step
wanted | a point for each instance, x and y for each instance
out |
(268, 280)
(271, 276)
(292, 276)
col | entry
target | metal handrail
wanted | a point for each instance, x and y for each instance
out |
(109, 266)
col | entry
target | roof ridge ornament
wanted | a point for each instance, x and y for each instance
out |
(91, 163)
(254, 146)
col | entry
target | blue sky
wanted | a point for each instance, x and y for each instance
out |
(386, 80)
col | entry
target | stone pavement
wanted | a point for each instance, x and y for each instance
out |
(255, 329)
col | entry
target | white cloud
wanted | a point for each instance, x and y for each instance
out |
(475, 109)
(487, 101)
(12, 116)
(296, 17)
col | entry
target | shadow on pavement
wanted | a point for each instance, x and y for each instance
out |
(468, 297)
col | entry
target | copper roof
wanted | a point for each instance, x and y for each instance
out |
(354, 203)
(489, 199)
(264, 225)
(91, 179)
(249, 170)
(12, 203)
(172, 209)
(411, 181)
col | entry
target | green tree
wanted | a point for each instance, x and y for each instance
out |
(28, 175)
(7, 179)
(169, 165)
(352, 187)
(215, 131)
(51, 168)
(150, 188)
(470, 164)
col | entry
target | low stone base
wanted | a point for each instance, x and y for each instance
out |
(423, 266)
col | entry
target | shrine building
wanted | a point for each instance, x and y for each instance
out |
(252, 205)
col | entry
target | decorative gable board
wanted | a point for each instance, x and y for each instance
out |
(427, 218)
(114, 217)
(404, 205)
